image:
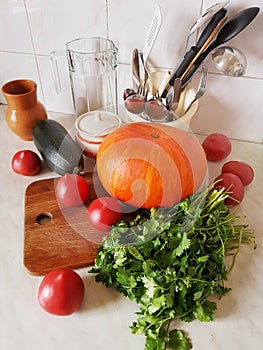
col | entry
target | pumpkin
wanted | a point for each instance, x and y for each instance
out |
(150, 165)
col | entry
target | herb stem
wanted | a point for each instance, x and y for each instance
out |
(172, 260)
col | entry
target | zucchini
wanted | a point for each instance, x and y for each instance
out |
(60, 152)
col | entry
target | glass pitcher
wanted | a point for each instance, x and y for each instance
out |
(92, 64)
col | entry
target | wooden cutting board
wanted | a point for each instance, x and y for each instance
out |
(57, 237)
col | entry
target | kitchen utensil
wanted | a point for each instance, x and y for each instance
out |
(195, 51)
(157, 78)
(152, 33)
(57, 237)
(201, 88)
(163, 83)
(178, 119)
(92, 64)
(135, 103)
(232, 28)
(211, 26)
(205, 17)
(151, 110)
(173, 95)
(136, 80)
(148, 45)
(230, 60)
(143, 90)
(209, 39)
(156, 111)
(189, 56)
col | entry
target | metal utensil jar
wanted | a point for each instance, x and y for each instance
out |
(92, 64)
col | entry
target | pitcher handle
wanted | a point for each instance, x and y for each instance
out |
(55, 71)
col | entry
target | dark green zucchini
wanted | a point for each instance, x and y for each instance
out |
(60, 152)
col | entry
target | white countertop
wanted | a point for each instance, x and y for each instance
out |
(104, 318)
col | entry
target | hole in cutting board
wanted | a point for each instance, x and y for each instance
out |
(44, 218)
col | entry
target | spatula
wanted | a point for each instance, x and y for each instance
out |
(232, 28)
(205, 17)
(152, 33)
(148, 45)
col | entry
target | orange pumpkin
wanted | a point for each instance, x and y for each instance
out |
(150, 165)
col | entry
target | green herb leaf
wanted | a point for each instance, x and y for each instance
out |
(183, 245)
(170, 261)
(178, 341)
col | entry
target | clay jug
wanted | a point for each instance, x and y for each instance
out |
(24, 110)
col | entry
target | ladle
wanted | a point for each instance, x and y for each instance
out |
(230, 60)
(233, 27)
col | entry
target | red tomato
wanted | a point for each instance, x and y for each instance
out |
(104, 212)
(241, 169)
(61, 292)
(26, 162)
(72, 190)
(216, 146)
(233, 184)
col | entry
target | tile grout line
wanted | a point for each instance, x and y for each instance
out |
(34, 50)
(24, 53)
(231, 138)
(107, 18)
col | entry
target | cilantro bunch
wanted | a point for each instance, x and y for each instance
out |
(170, 261)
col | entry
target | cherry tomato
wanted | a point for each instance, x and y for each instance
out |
(72, 190)
(216, 146)
(104, 212)
(26, 162)
(233, 184)
(241, 169)
(61, 292)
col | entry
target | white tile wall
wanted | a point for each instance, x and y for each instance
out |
(55, 22)
(177, 18)
(31, 29)
(231, 106)
(14, 30)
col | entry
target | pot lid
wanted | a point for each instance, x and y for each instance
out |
(97, 123)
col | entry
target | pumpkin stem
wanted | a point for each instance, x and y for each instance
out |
(155, 136)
